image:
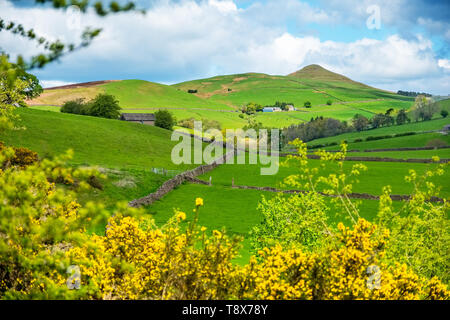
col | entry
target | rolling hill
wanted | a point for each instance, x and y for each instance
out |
(218, 98)
(132, 94)
(312, 83)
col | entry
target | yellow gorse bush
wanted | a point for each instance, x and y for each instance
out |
(43, 236)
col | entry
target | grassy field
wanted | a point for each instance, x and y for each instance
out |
(416, 154)
(95, 141)
(418, 140)
(378, 175)
(231, 209)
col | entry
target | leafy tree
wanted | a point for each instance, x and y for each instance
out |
(164, 119)
(307, 104)
(360, 122)
(424, 108)
(104, 106)
(444, 113)
(402, 117)
(329, 102)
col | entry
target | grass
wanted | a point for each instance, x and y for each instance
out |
(233, 210)
(95, 141)
(415, 154)
(379, 174)
(144, 94)
(418, 140)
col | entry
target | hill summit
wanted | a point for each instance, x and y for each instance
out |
(316, 72)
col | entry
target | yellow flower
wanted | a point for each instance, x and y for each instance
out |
(199, 202)
(203, 229)
(181, 215)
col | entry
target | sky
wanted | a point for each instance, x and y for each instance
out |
(389, 44)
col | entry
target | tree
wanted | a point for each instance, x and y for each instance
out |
(329, 102)
(104, 106)
(444, 113)
(402, 117)
(360, 122)
(164, 119)
(307, 104)
(424, 108)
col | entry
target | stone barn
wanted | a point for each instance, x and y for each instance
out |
(143, 118)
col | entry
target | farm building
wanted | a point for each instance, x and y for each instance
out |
(144, 118)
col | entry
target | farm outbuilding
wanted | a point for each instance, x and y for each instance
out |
(143, 118)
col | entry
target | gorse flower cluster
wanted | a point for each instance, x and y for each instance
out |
(45, 251)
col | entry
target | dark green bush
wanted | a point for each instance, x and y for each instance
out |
(104, 106)
(164, 119)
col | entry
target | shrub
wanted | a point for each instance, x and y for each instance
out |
(164, 119)
(307, 104)
(329, 102)
(22, 158)
(358, 140)
(75, 106)
(404, 134)
(192, 91)
(104, 106)
(444, 113)
(372, 138)
(187, 123)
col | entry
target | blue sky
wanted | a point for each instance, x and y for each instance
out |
(405, 47)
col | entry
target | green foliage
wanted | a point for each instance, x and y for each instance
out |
(37, 222)
(424, 108)
(104, 106)
(75, 106)
(316, 128)
(360, 122)
(297, 221)
(164, 119)
(444, 113)
(419, 229)
(307, 104)
(22, 158)
(329, 102)
(402, 117)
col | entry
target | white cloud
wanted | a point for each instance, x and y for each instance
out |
(54, 83)
(187, 40)
(444, 63)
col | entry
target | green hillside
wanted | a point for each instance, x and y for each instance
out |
(95, 141)
(312, 83)
(218, 97)
(130, 93)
